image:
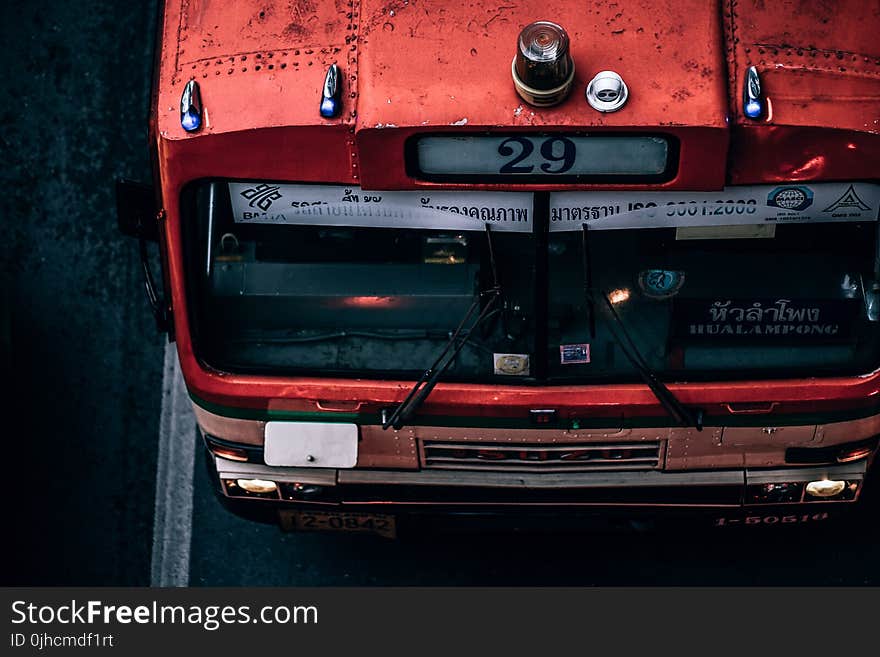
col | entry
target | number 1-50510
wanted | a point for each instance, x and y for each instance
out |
(772, 520)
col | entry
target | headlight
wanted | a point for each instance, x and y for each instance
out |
(825, 488)
(262, 488)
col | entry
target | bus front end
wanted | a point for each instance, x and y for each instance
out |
(434, 261)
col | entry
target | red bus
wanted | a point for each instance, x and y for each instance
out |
(576, 262)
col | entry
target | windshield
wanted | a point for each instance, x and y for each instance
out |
(293, 279)
(357, 300)
(716, 308)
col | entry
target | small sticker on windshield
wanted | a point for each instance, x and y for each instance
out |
(660, 283)
(574, 354)
(511, 364)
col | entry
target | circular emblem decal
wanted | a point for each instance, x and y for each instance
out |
(791, 198)
(660, 283)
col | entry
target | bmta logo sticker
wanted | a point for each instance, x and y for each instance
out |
(791, 198)
(262, 196)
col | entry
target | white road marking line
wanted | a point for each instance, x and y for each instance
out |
(172, 522)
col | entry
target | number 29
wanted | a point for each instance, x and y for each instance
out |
(553, 162)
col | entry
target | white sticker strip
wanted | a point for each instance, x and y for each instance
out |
(335, 205)
(758, 204)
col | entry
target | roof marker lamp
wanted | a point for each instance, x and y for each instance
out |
(191, 107)
(753, 101)
(331, 95)
(542, 68)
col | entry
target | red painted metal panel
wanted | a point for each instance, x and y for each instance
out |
(436, 66)
(287, 154)
(820, 70)
(775, 153)
(436, 63)
(259, 64)
(426, 66)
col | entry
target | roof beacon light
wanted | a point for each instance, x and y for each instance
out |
(331, 97)
(191, 107)
(753, 101)
(542, 68)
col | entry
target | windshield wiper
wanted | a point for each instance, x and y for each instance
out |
(431, 376)
(680, 413)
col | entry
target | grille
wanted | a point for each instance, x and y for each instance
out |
(542, 458)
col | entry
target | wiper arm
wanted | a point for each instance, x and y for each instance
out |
(431, 376)
(680, 413)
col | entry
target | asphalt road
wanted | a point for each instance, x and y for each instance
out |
(83, 420)
(86, 363)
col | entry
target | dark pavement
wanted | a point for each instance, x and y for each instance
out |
(85, 364)
(86, 359)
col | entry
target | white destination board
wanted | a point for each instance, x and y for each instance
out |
(547, 156)
(336, 205)
(754, 204)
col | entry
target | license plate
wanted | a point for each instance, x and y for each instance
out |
(766, 520)
(333, 521)
(544, 156)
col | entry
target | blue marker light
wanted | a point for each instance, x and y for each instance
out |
(191, 121)
(329, 107)
(331, 96)
(753, 102)
(753, 109)
(191, 107)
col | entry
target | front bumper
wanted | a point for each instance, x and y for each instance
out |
(429, 491)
